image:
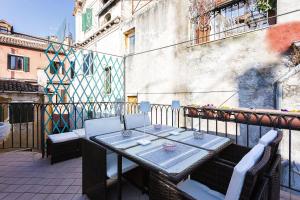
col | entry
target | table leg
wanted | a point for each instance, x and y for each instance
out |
(119, 177)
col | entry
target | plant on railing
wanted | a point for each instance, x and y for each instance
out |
(265, 5)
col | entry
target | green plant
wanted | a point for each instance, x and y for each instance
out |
(265, 5)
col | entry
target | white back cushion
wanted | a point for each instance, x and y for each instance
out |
(237, 180)
(136, 121)
(268, 137)
(101, 126)
(80, 132)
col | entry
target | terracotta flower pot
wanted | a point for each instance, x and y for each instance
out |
(192, 112)
(222, 115)
(209, 114)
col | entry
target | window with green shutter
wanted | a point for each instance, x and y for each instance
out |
(83, 22)
(15, 62)
(26, 64)
(87, 19)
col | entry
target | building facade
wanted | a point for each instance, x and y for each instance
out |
(191, 71)
(23, 59)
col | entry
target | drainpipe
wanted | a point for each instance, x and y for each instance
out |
(278, 86)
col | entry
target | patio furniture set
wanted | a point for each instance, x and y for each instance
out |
(175, 163)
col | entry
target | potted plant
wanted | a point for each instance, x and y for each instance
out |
(263, 5)
(268, 7)
(192, 110)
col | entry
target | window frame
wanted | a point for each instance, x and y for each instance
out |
(88, 64)
(128, 35)
(25, 66)
(108, 80)
(229, 18)
(21, 113)
(59, 69)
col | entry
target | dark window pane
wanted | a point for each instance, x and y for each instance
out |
(108, 80)
(19, 63)
(72, 69)
(21, 113)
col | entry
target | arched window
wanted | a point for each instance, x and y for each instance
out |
(107, 18)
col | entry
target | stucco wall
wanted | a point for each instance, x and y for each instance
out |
(37, 60)
(238, 72)
(243, 68)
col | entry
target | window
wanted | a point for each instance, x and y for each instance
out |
(88, 65)
(72, 65)
(87, 20)
(3, 29)
(107, 81)
(21, 113)
(130, 41)
(63, 94)
(107, 18)
(18, 63)
(56, 67)
(213, 20)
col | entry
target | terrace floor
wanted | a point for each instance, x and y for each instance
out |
(25, 175)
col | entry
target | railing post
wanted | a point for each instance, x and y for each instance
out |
(43, 130)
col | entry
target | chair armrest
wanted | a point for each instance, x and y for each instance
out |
(262, 190)
(161, 188)
(275, 166)
(233, 153)
(273, 175)
(215, 174)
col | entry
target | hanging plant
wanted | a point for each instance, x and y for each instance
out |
(265, 5)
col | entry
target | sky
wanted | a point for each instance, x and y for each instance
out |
(38, 17)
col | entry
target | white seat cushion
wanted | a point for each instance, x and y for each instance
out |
(268, 137)
(199, 191)
(101, 126)
(63, 137)
(112, 165)
(237, 179)
(79, 132)
(136, 121)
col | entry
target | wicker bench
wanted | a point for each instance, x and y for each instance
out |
(64, 146)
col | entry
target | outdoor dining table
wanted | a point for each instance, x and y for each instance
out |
(175, 164)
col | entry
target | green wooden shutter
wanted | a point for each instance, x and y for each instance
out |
(89, 16)
(83, 22)
(26, 64)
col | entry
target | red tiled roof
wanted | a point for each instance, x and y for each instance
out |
(17, 86)
(13, 39)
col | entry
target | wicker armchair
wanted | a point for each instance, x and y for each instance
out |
(95, 181)
(234, 153)
(216, 175)
(99, 165)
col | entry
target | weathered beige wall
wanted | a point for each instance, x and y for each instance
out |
(243, 67)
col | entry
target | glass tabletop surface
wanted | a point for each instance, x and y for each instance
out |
(117, 140)
(163, 131)
(209, 141)
(173, 160)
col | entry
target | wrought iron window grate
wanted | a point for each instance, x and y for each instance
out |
(217, 19)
